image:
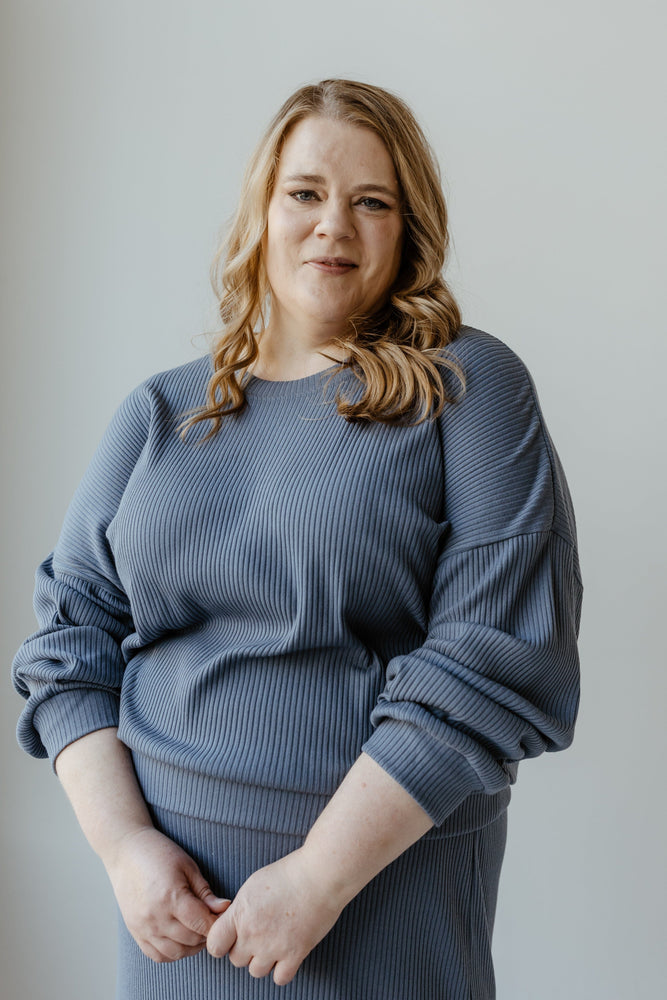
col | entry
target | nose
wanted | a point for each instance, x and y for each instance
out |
(335, 220)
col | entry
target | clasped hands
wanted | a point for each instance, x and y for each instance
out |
(276, 918)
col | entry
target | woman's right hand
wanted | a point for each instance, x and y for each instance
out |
(167, 904)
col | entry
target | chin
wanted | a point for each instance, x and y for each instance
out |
(318, 314)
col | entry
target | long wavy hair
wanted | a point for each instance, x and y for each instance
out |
(396, 351)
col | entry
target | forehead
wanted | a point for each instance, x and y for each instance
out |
(318, 145)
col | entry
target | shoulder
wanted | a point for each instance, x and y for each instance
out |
(153, 404)
(497, 460)
(499, 397)
(496, 440)
(488, 363)
(181, 386)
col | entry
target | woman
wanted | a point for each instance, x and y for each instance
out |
(314, 599)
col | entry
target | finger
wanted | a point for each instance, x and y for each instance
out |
(178, 932)
(239, 956)
(192, 913)
(257, 968)
(221, 936)
(151, 952)
(285, 972)
(172, 951)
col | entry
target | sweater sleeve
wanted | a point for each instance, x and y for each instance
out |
(497, 676)
(70, 671)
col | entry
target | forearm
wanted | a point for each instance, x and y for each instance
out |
(367, 824)
(98, 776)
(283, 910)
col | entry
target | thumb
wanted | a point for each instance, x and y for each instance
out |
(215, 903)
(221, 936)
(203, 891)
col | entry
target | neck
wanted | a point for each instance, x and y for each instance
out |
(291, 356)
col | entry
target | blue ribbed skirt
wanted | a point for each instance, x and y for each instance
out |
(421, 930)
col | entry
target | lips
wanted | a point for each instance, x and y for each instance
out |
(333, 261)
(333, 265)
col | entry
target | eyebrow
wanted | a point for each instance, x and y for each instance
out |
(318, 179)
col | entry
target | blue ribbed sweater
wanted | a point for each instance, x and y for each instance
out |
(254, 611)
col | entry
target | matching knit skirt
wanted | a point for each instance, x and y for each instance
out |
(421, 930)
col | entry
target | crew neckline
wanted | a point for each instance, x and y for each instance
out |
(292, 386)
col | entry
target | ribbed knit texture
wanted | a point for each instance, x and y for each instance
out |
(421, 930)
(254, 611)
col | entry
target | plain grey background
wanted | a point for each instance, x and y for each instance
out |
(125, 130)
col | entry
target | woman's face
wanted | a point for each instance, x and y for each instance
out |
(336, 195)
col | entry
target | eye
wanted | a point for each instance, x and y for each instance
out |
(374, 204)
(297, 195)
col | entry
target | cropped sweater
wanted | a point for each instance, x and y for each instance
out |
(254, 611)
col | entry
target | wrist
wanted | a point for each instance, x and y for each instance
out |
(98, 776)
(111, 846)
(367, 824)
(332, 871)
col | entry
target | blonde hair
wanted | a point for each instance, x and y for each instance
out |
(396, 351)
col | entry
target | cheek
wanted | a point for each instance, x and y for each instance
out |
(389, 254)
(281, 250)
(287, 249)
(291, 227)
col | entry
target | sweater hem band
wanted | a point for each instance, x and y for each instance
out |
(276, 810)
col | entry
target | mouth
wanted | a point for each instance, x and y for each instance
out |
(334, 265)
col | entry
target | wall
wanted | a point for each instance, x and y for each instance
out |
(125, 130)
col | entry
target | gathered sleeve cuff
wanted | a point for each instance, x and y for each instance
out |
(497, 679)
(70, 671)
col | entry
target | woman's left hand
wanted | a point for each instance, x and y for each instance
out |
(277, 917)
